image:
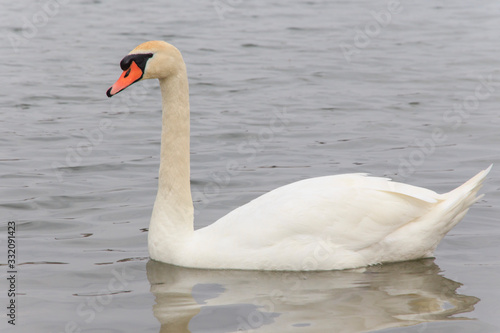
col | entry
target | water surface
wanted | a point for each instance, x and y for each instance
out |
(409, 92)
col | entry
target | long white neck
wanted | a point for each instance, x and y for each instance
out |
(172, 218)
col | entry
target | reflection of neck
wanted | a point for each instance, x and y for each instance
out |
(175, 306)
(173, 210)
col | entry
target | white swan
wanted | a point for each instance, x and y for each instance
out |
(324, 223)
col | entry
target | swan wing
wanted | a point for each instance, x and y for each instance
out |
(353, 210)
(345, 214)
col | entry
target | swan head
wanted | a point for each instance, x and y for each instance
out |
(149, 60)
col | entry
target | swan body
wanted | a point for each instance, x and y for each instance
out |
(324, 223)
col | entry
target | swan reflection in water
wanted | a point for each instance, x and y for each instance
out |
(371, 298)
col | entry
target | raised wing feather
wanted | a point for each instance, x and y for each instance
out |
(352, 211)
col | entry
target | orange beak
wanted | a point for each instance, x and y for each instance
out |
(131, 75)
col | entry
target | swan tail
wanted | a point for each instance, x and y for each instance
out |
(457, 202)
(466, 193)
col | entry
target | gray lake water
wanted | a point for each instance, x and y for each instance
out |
(404, 90)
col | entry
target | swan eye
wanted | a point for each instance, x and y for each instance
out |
(140, 59)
